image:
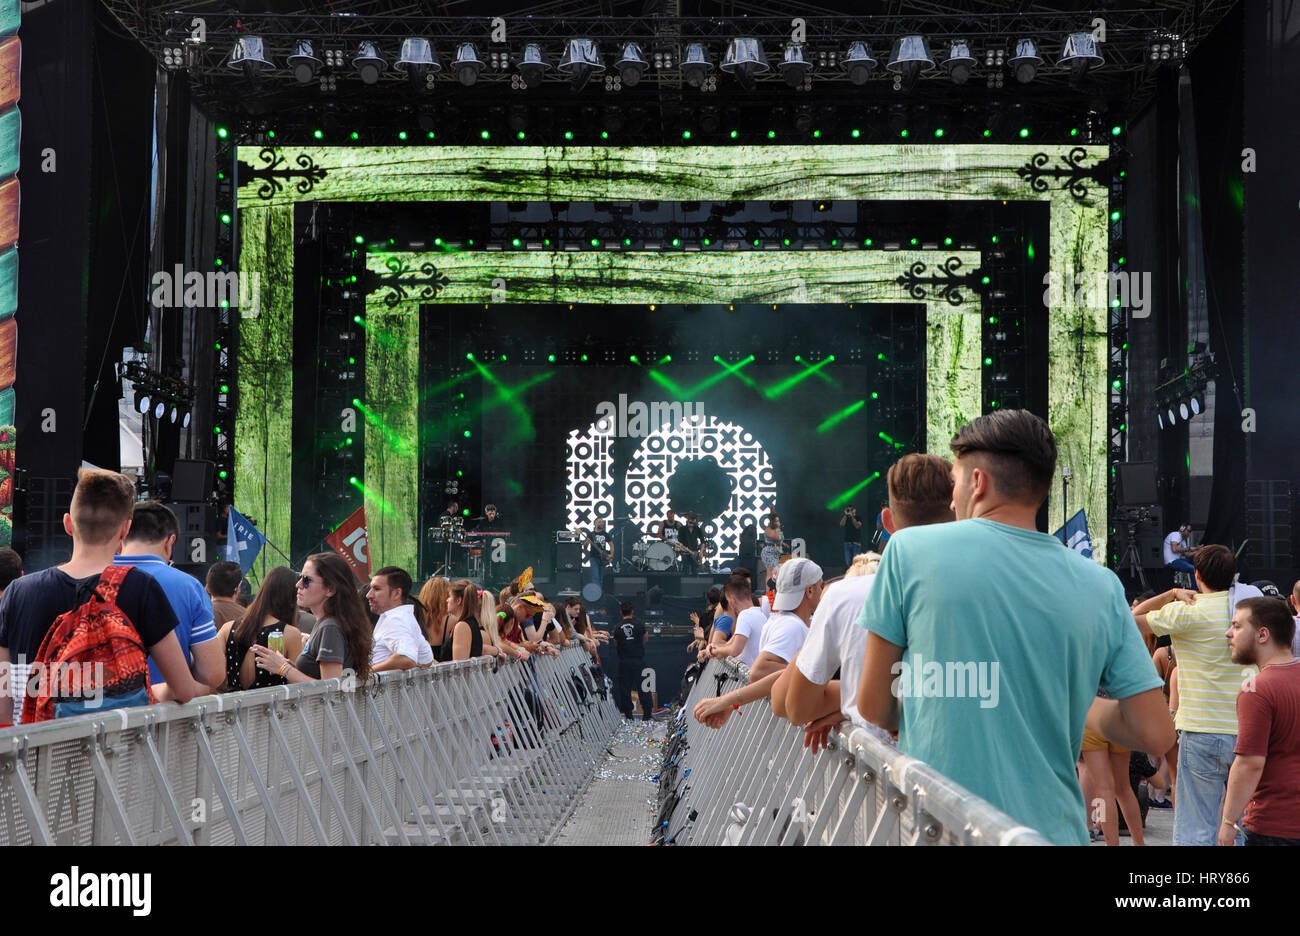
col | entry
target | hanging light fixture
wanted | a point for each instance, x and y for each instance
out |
(909, 59)
(467, 64)
(304, 61)
(794, 67)
(249, 57)
(533, 65)
(581, 60)
(1026, 60)
(745, 60)
(419, 61)
(859, 62)
(696, 65)
(369, 62)
(959, 63)
(631, 64)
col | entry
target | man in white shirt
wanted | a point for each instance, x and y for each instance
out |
(748, 631)
(399, 641)
(920, 493)
(1176, 550)
(798, 592)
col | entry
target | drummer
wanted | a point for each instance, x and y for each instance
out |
(453, 509)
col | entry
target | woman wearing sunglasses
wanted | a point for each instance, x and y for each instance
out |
(340, 642)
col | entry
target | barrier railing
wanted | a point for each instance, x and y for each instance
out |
(753, 783)
(454, 754)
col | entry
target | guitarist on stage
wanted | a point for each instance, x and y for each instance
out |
(600, 550)
(693, 544)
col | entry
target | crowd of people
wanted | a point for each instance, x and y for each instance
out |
(972, 635)
(156, 633)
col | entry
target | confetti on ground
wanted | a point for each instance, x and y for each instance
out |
(618, 806)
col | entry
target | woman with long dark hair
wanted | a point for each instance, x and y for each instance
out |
(341, 640)
(274, 609)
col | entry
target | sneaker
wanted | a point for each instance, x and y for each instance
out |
(1096, 835)
(1160, 803)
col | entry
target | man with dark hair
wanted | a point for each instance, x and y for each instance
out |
(691, 537)
(98, 521)
(149, 547)
(747, 631)
(1264, 781)
(1175, 550)
(399, 641)
(630, 637)
(222, 586)
(920, 493)
(852, 534)
(11, 567)
(1208, 682)
(974, 600)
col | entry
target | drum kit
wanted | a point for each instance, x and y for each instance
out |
(661, 556)
(464, 552)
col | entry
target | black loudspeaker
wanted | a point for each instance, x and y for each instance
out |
(568, 580)
(693, 586)
(191, 480)
(630, 584)
(568, 556)
(48, 499)
(196, 538)
(1269, 513)
(1137, 483)
(1150, 538)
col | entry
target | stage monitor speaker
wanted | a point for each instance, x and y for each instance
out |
(630, 584)
(694, 586)
(191, 479)
(568, 556)
(1137, 483)
(567, 580)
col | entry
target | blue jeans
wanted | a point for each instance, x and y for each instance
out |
(1203, 764)
(1182, 565)
(850, 550)
(90, 706)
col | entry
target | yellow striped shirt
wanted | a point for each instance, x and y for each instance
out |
(1208, 680)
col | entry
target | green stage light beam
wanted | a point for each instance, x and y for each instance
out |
(445, 385)
(374, 419)
(839, 500)
(728, 370)
(668, 384)
(784, 386)
(372, 496)
(835, 419)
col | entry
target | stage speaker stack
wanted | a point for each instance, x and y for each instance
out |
(1268, 526)
(568, 566)
(196, 540)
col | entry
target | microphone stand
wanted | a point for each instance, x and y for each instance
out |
(1065, 508)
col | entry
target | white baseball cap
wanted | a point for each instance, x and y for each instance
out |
(792, 580)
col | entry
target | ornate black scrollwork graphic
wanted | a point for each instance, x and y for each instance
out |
(946, 282)
(275, 172)
(405, 281)
(1072, 173)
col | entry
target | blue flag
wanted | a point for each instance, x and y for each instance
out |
(1075, 535)
(243, 540)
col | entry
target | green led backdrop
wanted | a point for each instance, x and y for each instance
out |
(272, 180)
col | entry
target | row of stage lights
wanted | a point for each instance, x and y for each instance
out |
(164, 396)
(744, 59)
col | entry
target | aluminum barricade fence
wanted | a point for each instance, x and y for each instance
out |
(752, 782)
(459, 753)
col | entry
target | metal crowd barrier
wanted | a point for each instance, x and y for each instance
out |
(753, 783)
(453, 754)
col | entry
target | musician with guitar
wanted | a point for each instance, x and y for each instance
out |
(774, 547)
(600, 550)
(692, 544)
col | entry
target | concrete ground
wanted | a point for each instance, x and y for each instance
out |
(618, 805)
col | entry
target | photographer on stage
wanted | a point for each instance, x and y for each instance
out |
(852, 534)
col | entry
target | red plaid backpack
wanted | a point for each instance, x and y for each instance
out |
(94, 648)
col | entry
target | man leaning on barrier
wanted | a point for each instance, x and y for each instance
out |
(957, 620)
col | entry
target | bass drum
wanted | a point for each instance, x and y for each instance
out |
(659, 557)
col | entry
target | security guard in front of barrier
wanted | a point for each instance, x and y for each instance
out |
(630, 638)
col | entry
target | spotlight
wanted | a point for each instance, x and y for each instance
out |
(909, 58)
(745, 59)
(1081, 55)
(960, 62)
(581, 60)
(1169, 416)
(175, 413)
(1026, 60)
(158, 409)
(368, 62)
(532, 65)
(859, 63)
(1197, 406)
(185, 418)
(249, 57)
(794, 67)
(696, 65)
(418, 61)
(631, 64)
(1160, 419)
(304, 62)
(1183, 411)
(467, 64)
(142, 402)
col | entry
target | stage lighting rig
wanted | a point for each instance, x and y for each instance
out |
(859, 63)
(467, 64)
(908, 60)
(631, 64)
(249, 56)
(959, 63)
(745, 60)
(419, 60)
(304, 61)
(1026, 60)
(581, 60)
(369, 63)
(1080, 55)
(696, 65)
(533, 65)
(794, 67)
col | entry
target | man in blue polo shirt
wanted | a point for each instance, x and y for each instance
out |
(148, 547)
